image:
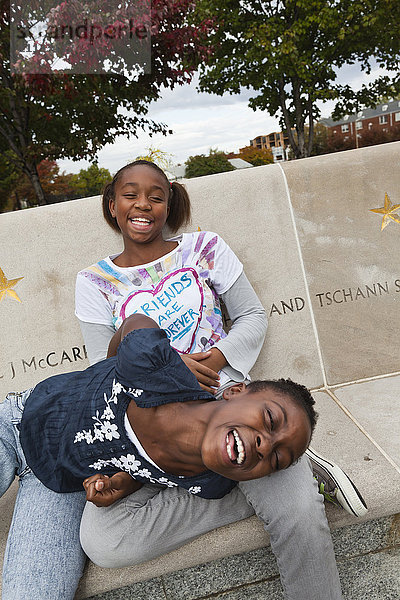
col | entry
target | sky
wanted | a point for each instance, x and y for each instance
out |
(201, 121)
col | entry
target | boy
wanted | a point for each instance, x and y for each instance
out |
(75, 424)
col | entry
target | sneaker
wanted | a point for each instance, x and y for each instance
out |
(335, 485)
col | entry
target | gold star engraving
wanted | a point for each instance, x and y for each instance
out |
(6, 286)
(388, 212)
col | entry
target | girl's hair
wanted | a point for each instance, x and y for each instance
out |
(298, 393)
(178, 201)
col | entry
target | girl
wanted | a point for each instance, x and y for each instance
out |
(179, 282)
(56, 435)
(110, 416)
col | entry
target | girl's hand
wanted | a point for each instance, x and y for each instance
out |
(103, 490)
(207, 377)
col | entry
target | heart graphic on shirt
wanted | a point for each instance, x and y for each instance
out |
(175, 304)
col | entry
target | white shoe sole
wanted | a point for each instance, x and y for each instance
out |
(347, 494)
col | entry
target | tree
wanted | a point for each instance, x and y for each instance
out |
(8, 181)
(90, 181)
(255, 156)
(46, 114)
(157, 156)
(19, 193)
(289, 52)
(215, 162)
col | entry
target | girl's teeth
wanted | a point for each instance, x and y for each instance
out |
(228, 447)
(240, 447)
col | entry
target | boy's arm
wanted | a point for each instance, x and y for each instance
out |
(104, 491)
(131, 323)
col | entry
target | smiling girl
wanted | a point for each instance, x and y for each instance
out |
(179, 282)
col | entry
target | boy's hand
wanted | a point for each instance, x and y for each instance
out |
(103, 490)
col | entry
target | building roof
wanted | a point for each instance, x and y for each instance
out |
(365, 113)
(176, 172)
(239, 163)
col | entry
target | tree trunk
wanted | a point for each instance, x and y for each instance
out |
(31, 171)
(17, 201)
(299, 119)
(286, 117)
(310, 127)
(301, 142)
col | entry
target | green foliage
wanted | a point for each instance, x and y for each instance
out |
(215, 162)
(90, 181)
(288, 52)
(18, 192)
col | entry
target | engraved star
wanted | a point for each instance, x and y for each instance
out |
(388, 212)
(6, 286)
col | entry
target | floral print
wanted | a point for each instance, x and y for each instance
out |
(106, 446)
(103, 429)
(130, 464)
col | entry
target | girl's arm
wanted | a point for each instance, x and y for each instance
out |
(238, 352)
(95, 318)
(102, 341)
(244, 341)
(136, 321)
(97, 338)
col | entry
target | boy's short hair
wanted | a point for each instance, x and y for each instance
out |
(298, 393)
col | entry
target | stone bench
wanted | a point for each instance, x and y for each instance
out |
(329, 278)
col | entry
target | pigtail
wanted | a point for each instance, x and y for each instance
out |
(180, 208)
(108, 194)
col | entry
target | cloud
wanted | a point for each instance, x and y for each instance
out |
(202, 121)
(227, 127)
(187, 97)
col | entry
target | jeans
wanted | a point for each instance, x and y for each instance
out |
(156, 520)
(43, 558)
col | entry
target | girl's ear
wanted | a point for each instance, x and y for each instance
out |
(233, 390)
(111, 204)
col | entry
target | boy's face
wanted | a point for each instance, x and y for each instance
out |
(253, 434)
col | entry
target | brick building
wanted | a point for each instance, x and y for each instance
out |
(384, 118)
(270, 140)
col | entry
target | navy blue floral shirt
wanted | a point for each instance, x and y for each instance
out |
(73, 424)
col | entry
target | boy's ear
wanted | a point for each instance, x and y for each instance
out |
(233, 390)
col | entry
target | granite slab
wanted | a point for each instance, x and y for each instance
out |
(351, 263)
(375, 406)
(338, 437)
(250, 210)
(46, 247)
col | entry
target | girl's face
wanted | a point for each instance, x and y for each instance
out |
(254, 434)
(141, 204)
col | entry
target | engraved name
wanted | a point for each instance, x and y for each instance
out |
(50, 360)
(341, 295)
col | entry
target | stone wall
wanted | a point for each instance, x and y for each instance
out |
(327, 274)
